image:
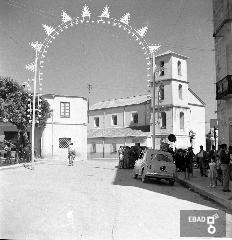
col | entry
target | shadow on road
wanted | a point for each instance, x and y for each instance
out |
(124, 177)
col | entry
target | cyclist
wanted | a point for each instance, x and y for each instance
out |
(71, 154)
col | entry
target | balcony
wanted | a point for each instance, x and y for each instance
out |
(224, 88)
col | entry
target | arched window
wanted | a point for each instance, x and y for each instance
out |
(163, 120)
(179, 68)
(181, 120)
(180, 91)
(161, 92)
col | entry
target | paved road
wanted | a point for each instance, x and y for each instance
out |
(92, 200)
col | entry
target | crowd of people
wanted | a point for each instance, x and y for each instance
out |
(128, 155)
(215, 164)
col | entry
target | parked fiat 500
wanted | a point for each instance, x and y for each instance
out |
(155, 164)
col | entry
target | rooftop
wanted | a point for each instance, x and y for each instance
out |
(172, 53)
(120, 102)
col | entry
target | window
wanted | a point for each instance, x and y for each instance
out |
(94, 149)
(180, 91)
(181, 120)
(135, 118)
(163, 120)
(96, 122)
(162, 157)
(64, 142)
(179, 68)
(161, 68)
(114, 148)
(114, 120)
(161, 92)
(65, 109)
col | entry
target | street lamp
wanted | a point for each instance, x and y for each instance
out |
(153, 93)
(34, 67)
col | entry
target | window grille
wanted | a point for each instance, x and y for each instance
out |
(64, 142)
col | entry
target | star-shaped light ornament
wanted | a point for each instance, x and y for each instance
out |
(36, 45)
(65, 17)
(30, 67)
(142, 31)
(48, 29)
(86, 12)
(154, 48)
(105, 12)
(125, 19)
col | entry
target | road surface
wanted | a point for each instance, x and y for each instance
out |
(91, 200)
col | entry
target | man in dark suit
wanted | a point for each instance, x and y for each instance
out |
(202, 157)
(225, 160)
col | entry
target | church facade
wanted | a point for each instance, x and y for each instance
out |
(128, 121)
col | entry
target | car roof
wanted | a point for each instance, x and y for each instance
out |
(159, 151)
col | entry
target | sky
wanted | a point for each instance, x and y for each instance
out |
(107, 57)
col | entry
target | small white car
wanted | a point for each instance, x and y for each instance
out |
(155, 164)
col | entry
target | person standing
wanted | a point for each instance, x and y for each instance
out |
(202, 156)
(212, 172)
(225, 160)
(71, 154)
(230, 164)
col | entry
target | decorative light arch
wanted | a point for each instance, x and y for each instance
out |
(86, 18)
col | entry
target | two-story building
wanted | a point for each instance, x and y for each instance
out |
(127, 121)
(68, 123)
(118, 122)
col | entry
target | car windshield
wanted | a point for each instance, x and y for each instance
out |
(162, 157)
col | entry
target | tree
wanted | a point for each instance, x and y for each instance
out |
(14, 101)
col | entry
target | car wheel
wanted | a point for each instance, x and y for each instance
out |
(171, 182)
(144, 177)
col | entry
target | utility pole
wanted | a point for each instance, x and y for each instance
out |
(33, 109)
(153, 109)
(89, 86)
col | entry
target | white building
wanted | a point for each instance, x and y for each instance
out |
(179, 110)
(68, 123)
(126, 121)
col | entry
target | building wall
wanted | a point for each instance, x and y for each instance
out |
(74, 127)
(222, 11)
(197, 125)
(124, 116)
(106, 144)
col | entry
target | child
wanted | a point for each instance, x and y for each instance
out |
(212, 172)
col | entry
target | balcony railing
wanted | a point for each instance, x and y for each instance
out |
(224, 88)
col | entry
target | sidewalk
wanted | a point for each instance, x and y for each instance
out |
(12, 166)
(200, 185)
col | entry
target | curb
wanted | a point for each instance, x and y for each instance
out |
(19, 165)
(201, 190)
